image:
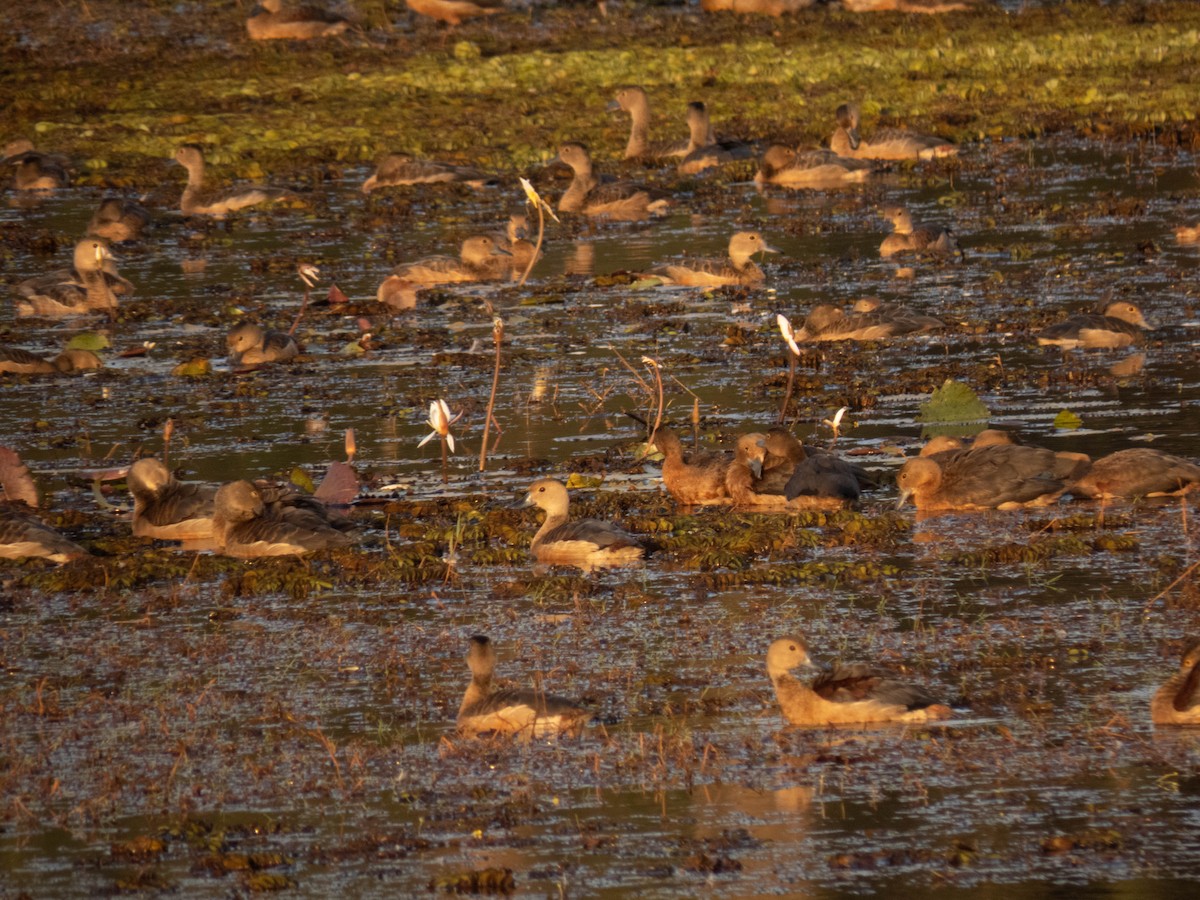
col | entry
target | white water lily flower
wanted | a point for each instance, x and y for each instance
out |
(440, 421)
(310, 275)
(836, 422)
(785, 328)
(535, 198)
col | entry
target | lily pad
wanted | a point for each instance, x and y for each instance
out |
(88, 340)
(194, 368)
(1067, 420)
(953, 402)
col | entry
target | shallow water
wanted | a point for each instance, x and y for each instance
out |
(316, 732)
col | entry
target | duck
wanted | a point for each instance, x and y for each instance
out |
(586, 543)
(1137, 472)
(34, 171)
(252, 345)
(809, 168)
(90, 285)
(487, 711)
(738, 269)
(513, 241)
(888, 143)
(1120, 325)
(704, 151)
(455, 12)
(772, 8)
(272, 20)
(23, 536)
(746, 469)
(633, 100)
(697, 479)
(1177, 702)
(17, 361)
(909, 238)
(117, 219)
(397, 169)
(1000, 476)
(618, 201)
(749, 490)
(868, 320)
(478, 261)
(849, 695)
(197, 200)
(165, 507)
(794, 470)
(245, 527)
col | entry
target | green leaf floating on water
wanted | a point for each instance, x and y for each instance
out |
(193, 368)
(88, 340)
(575, 481)
(1067, 420)
(953, 402)
(302, 480)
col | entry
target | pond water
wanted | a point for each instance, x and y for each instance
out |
(198, 733)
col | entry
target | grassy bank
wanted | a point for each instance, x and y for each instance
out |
(122, 93)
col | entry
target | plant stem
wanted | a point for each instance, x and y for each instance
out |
(787, 394)
(498, 340)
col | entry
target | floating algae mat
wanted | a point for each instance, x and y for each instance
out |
(178, 722)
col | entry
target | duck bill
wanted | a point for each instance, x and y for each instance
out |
(904, 495)
(767, 248)
(525, 501)
(855, 139)
(756, 467)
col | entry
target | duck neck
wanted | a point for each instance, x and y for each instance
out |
(581, 185)
(639, 132)
(796, 698)
(99, 294)
(478, 690)
(1184, 689)
(553, 520)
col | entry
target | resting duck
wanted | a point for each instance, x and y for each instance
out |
(618, 201)
(748, 489)
(868, 320)
(633, 100)
(772, 8)
(244, 526)
(738, 269)
(809, 168)
(1178, 701)
(166, 508)
(252, 345)
(485, 710)
(118, 219)
(455, 12)
(270, 20)
(514, 240)
(888, 143)
(17, 361)
(909, 238)
(197, 200)
(34, 171)
(705, 152)
(477, 261)
(697, 479)
(586, 543)
(1137, 472)
(400, 168)
(91, 285)
(1001, 476)
(849, 695)
(1119, 325)
(23, 536)
(791, 469)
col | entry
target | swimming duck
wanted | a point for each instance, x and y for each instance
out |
(21, 362)
(244, 526)
(633, 100)
(1178, 701)
(908, 238)
(586, 543)
(475, 263)
(454, 12)
(252, 345)
(867, 321)
(617, 201)
(34, 171)
(1001, 476)
(888, 143)
(271, 20)
(695, 480)
(809, 168)
(166, 508)
(773, 8)
(23, 536)
(849, 695)
(1119, 325)
(198, 201)
(525, 713)
(401, 168)
(91, 285)
(118, 219)
(1137, 472)
(738, 269)
(705, 152)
